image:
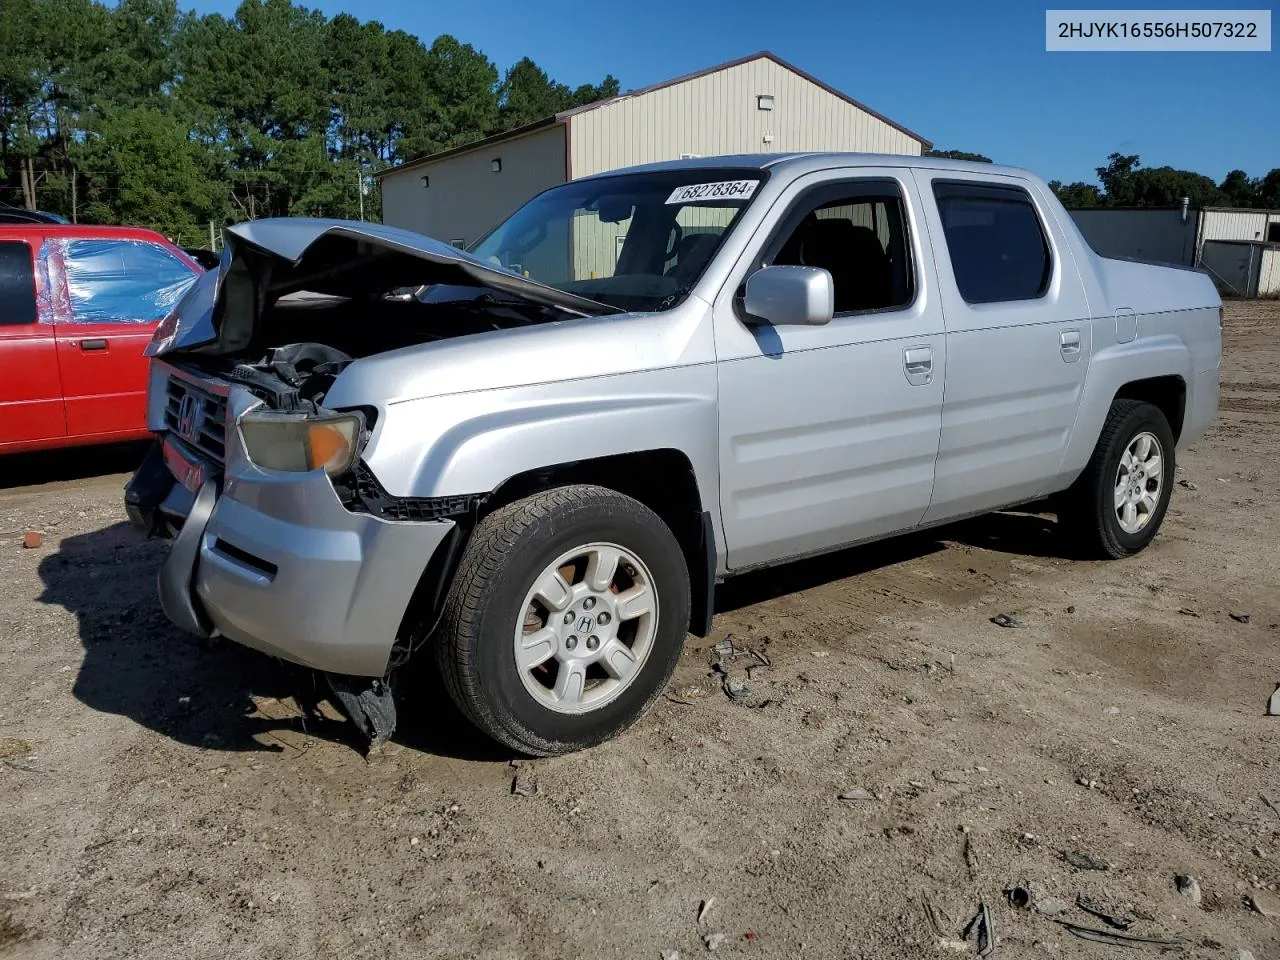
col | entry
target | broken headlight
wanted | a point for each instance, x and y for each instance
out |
(298, 442)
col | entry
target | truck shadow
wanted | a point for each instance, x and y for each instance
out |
(215, 694)
(1023, 534)
(221, 696)
(70, 463)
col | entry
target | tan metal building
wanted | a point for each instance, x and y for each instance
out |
(758, 104)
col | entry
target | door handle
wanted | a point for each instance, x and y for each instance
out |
(917, 362)
(95, 344)
(1069, 344)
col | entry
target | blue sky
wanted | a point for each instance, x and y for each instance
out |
(966, 78)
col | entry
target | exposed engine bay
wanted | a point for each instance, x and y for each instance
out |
(303, 343)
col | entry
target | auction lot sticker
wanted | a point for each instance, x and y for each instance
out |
(1241, 31)
(724, 190)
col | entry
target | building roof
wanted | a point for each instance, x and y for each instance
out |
(1267, 211)
(804, 162)
(564, 115)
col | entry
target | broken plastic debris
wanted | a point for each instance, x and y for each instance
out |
(705, 906)
(1115, 939)
(980, 927)
(1004, 620)
(1111, 920)
(1273, 710)
(726, 649)
(713, 940)
(857, 793)
(32, 539)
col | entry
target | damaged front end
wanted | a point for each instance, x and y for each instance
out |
(283, 539)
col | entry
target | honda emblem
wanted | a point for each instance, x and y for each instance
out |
(189, 415)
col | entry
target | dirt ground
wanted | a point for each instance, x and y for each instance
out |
(161, 798)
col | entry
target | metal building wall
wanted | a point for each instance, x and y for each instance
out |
(1234, 265)
(1269, 272)
(717, 114)
(1158, 235)
(465, 197)
(1234, 225)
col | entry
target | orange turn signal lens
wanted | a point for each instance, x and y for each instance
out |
(330, 445)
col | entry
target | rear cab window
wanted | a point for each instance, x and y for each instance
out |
(17, 284)
(996, 243)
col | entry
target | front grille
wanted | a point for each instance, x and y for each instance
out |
(198, 417)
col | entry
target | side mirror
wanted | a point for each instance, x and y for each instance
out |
(790, 296)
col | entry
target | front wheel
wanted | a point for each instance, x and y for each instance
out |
(565, 619)
(1116, 507)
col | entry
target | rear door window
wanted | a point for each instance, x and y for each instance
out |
(17, 284)
(997, 246)
(122, 281)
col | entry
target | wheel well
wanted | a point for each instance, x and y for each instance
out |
(664, 481)
(1167, 393)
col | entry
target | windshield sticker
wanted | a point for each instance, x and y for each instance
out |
(725, 190)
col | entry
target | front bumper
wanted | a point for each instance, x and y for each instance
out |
(275, 562)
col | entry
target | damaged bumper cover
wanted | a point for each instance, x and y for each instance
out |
(277, 563)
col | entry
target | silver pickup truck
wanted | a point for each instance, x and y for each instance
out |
(534, 460)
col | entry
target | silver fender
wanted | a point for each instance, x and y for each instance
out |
(1110, 369)
(473, 442)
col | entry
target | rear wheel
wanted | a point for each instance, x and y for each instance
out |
(1116, 507)
(565, 619)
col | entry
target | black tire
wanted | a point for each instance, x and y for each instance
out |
(1089, 510)
(509, 549)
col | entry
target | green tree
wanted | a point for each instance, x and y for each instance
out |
(140, 166)
(132, 111)
(459, 101)
(1129, 184)
(528, 94)
(958, 155)
(1118, 179)
(1076, 195)
(1269, 190)
(1238, 190)
(1166, 187)
(19, 93)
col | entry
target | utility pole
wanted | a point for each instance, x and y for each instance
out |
(213, 245)
(360, 187)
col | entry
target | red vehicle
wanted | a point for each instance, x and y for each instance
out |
(77, 307)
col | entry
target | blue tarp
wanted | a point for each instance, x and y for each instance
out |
(116, 281)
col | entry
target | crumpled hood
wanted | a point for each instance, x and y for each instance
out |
(267, 259)
(297, 239)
